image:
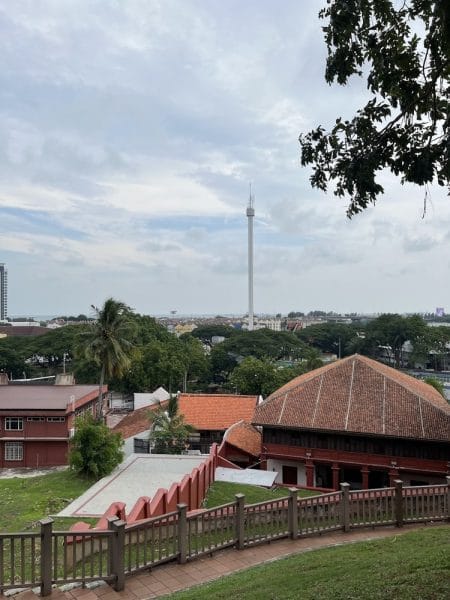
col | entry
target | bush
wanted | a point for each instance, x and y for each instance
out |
(94, 450)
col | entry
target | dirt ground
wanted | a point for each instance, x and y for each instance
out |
(24, 472)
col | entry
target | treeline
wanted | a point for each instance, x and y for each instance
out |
(255, 362)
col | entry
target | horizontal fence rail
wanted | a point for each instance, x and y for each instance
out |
(46, 558)
(425, 503)
(211, 530)
(372, 507)
(266, 521)
(319, 514)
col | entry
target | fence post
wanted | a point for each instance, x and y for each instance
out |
(293, 513)
(448, 497)
(345, 489)
(182, 533)
(398, 506)
(117, 560)
(240, 516)
(111, 520)
(46, 556)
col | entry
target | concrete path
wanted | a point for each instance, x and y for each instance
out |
(139, 475)
(172, 577)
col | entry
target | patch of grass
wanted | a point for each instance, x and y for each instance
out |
(24, 501)
(221, 492)
(411, 565)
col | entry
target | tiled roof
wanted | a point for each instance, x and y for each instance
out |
(244, 436)
(216, 411)
(137, 421)
(23, 330)
(359, 395)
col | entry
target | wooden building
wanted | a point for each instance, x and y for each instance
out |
(36, 421)
(212, 414)
(359, 421)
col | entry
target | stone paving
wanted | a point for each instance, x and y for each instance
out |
(172, 577)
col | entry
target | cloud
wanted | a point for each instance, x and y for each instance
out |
(129, 132)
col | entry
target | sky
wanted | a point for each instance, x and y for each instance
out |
(129, 133)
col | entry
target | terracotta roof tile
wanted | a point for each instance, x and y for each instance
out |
(137, 421)
(216, 411)
(202, 411)
(359, 395)
(244, 436)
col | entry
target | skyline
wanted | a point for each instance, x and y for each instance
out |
(129, 135)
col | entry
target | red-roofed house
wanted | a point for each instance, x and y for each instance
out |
(36, 421)
(241, 444)
(212, 414)
(359, 421)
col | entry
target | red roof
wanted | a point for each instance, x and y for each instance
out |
(23, 330)
(359, 395)
(216, 411)
(244, 436)
(137, 421)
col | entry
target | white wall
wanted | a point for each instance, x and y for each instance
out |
(146, 399)
(277, 465)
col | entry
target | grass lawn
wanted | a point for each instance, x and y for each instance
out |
(24, 501)
(222, 492)
(414, 565)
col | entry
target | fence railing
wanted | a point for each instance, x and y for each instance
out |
(52, 557)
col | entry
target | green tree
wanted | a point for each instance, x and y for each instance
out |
(11, 361)
(432, 344)
(206, 332)
(437, 384)
(330, 337)
(195, 363)
(222, 363)
(169, 433)
(390, 332)
(108, 343)
(264, 343)
(94, 450)
(403, 50)
(255, 376)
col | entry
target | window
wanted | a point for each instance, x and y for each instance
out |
(36, 419)
(56, 419)
(13, 451)
(13, 424)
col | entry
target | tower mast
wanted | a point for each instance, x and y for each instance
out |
(250, 215)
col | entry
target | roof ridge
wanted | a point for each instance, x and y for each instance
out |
(305, 377)
(350, 392)
(203, 394)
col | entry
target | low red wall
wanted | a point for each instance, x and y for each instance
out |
(191, 490)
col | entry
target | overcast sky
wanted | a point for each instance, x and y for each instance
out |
(129, 133)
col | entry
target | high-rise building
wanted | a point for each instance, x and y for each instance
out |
(3, 292)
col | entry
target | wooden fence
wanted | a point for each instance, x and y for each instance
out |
(46, 558)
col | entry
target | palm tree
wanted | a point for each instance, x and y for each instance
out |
(108, 342)
(168, 431)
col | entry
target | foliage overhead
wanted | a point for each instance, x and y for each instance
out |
(403, 50)
(94, 449)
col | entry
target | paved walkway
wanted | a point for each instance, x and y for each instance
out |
(139, 475)
(173, 577)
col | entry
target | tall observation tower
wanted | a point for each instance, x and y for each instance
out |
(3, 292)
(250, 215)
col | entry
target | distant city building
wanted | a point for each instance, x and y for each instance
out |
(440, 312)
(3, 292)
